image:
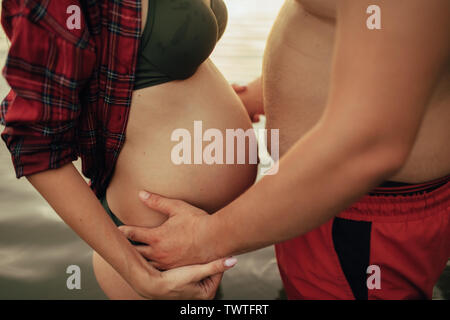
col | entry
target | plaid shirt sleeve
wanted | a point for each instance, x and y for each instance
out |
(47, 67)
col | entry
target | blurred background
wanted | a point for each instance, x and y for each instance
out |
(36, 246)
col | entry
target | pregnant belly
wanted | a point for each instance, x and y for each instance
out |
(147, 162)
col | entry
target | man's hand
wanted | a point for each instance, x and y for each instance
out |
(251, 96)
(175, 243)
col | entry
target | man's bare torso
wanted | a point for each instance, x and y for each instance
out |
(296, 76)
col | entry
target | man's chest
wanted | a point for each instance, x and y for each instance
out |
(324, 8)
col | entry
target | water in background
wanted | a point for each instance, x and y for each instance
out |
(36, 247)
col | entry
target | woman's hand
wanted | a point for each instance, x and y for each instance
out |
(199, 282)
(251, 96)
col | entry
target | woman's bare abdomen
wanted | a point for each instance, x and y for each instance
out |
(145, 162)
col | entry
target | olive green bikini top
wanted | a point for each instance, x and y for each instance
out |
(179, 35)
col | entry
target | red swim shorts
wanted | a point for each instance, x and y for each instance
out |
(392, 244)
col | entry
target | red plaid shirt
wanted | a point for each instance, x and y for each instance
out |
(71, 89)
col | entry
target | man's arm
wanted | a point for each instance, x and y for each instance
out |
(381, 82)
(380, 85)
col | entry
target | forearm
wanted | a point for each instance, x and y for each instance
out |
(73, 200)
(373, 114)
(317, 179)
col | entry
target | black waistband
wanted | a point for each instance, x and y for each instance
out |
(407, 189)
